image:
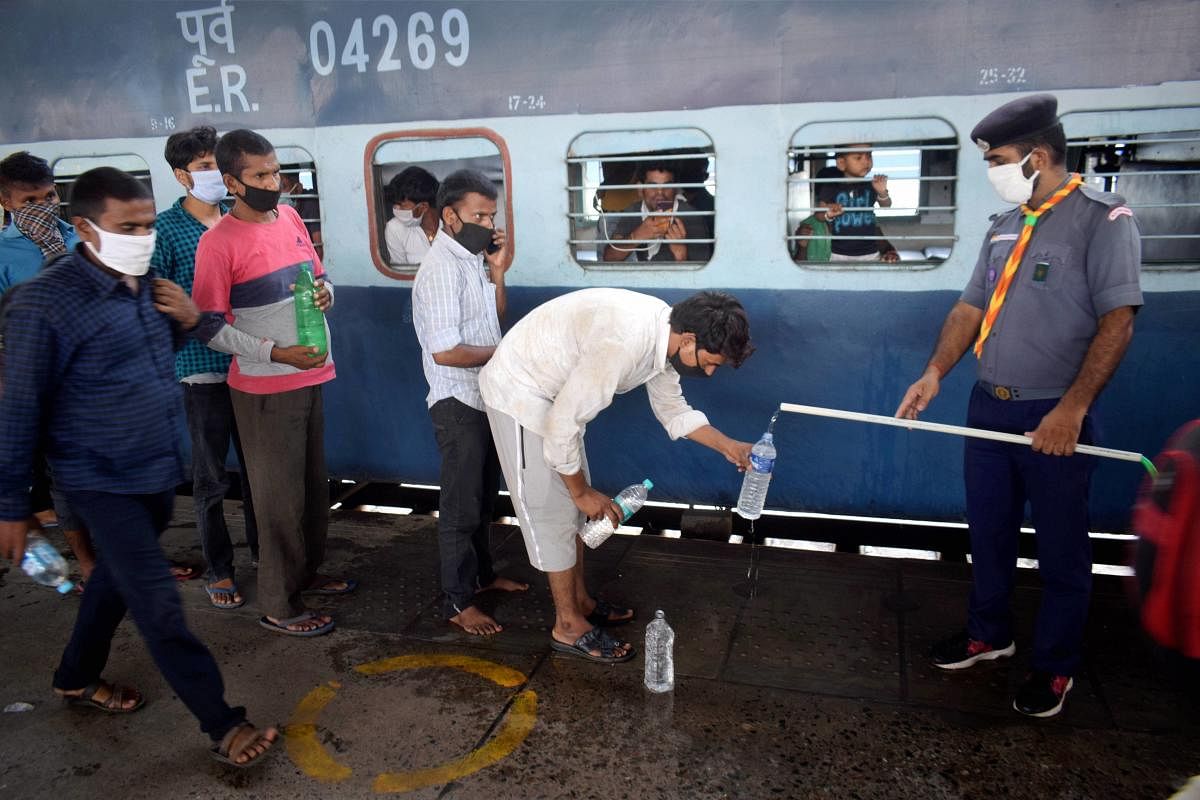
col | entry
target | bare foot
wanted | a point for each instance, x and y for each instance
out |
(475, 622)
(504, 585)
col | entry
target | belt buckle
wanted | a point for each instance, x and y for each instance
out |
(1002, 392)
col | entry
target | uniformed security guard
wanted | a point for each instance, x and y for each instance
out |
(1048, 313)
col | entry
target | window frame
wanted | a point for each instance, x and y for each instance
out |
(375, 197)
(64, 198)
(577, 192)
(1101, 129)
(319, 246)
(947, 139)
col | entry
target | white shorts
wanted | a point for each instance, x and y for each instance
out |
(550, 522)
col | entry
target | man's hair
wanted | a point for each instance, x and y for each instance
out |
(719, 323)
(1052, 139)
(186, 146)
(461, 183)
(24, 167)
(412, 183)
(658, 165)
(233, 147)
(93, 189)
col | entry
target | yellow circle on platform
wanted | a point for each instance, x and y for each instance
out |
(316, 762)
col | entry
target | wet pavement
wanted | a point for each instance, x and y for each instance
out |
(810, 682)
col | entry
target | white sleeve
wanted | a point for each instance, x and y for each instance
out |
(669, 406)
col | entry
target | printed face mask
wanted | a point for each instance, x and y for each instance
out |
(1010, 182)
(261, 200)
(207, 186)
(405, 216)
(129, 255)
(686, 370)
(474, 238)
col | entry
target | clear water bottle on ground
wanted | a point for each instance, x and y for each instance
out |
(310, 320)
(629, 500)
(44, 564)
(758, 477)
(660, 659)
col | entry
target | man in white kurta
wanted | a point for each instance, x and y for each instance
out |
(552, 374)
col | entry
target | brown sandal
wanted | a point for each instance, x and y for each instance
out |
(113, 704)
(242, 739)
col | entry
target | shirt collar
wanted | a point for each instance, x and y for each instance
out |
(104, 282)
(224, 209)
(455, 248)
(664, 339)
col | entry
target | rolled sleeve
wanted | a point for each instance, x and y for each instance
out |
(670, 408)
(1114, 262)
(437, 312)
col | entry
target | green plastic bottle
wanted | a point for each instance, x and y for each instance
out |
(310, 320)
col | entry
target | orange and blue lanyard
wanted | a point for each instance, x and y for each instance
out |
(1014, 259)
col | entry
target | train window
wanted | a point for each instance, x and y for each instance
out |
(298, 175)
(872, 194)
(1152, 158)
(636, 197)
(412, 163)
(68, 168)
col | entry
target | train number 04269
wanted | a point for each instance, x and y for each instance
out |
(422, 45)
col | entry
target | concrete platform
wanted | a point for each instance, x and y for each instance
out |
(812, 683)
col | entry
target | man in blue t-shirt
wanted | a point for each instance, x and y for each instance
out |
(848, 206)
(34, 231)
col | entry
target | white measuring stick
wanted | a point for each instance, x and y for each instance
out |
(938, 427)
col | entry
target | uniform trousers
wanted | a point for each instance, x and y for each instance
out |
(1000, 479)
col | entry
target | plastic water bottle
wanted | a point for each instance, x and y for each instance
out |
(44, 564)
(310, 320)
(629, 500)
(660, 658)
(758, 477)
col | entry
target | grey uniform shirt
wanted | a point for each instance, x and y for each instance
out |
(1083, 261)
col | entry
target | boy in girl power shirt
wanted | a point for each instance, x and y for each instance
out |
(246, 267)
(848, 207)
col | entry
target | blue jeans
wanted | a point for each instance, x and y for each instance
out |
(211, 425)
(1000, 479)
(470, 478)
(133, 573)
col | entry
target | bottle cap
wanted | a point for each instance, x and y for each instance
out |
(64, 587)
(649, 484)
(659, 614)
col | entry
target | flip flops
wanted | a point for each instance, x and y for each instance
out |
(113, 704)
(225, 752)
(595, 639)
(219, 591)
(182, 572)
(282, 625)
(602, 615)
(322, 586)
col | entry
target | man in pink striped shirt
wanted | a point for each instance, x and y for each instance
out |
(246, 267)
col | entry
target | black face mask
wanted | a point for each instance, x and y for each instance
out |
(475, 238)
(684, 370)
(261, 200)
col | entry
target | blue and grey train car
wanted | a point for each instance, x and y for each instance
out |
(560, 101)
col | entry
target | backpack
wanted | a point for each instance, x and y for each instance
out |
(1167, 521)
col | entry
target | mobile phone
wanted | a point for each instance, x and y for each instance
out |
(492, 248)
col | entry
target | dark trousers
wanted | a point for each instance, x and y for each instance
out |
(283, 441)
(1000, 479)
(212, 426)
(470, 477)
(133, 573)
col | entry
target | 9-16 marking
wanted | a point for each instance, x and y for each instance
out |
(526, 102)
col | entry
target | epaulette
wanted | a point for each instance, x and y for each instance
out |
(1108, 199)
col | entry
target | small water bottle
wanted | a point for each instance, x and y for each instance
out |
(629, 500)
(758, 477)
(660, 660)
(310, 320)
(44, 564)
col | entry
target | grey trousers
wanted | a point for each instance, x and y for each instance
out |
(283, 439)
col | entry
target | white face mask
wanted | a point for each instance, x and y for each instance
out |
(207, 186)
(405, 215)
(129, 255)
(1010, 182)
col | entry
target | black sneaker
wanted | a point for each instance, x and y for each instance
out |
(1043, 694)
(961, 651)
